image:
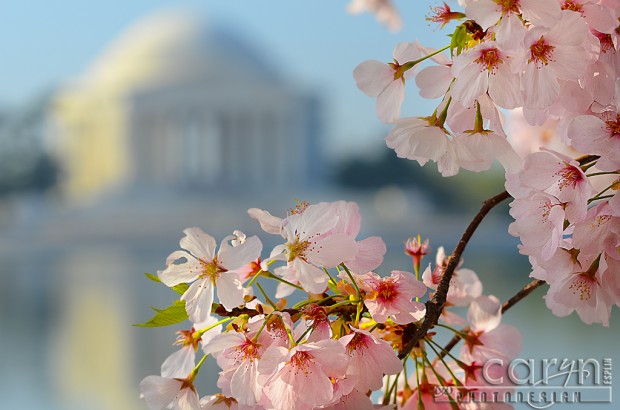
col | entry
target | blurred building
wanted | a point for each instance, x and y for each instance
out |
(177, 103)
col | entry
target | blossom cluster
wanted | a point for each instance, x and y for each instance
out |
(554, 62)
(352, 340)
(332, 349)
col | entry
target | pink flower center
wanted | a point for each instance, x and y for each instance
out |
(315, 313)
(572, 6)
(301, 362)
(509, 6)
(606, 41)
(570, 176)
(582, 285)
(387, 291)
(299, 208)
(210, 270)
(490, 59)
(358, 344)
(186, 338)
(297, 250)
(248, 350)
(275, 325)
(613, 126)
(541, 52)
(546, 209)
(443, 15)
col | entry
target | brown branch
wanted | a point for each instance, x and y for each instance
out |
(526, 290)
(218, 309)
(437, 303)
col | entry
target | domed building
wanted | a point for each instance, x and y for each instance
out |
(176, 103)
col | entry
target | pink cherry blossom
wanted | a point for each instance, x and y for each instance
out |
(538, 12)
(590, 290)
(486, 146)
(419, 139)
(355, 400)
(220, 402)
(316, 318)
(392, 297)
(369, 359)
(562, 52)
(163, 393)
(300, 378)
(561, 177)
(598, 232)
(434, 81)
(598, 16)
(417, 249)
(598, 136)
(464, 284)
(370, 250)
(386, 82)
(310, 246)
(238, 355)
(182, 362)
(487, 69)
(487, 338)
(539, 222)
(208, 270)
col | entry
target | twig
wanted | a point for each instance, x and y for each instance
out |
(526, 290)
(437, 303)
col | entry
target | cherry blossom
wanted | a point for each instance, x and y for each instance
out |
(561, 52)
(309, 246)
(487, 68)
(487, 338)
(300, 378)
(588, 290)
(538, 12)
(369, 359)
(392, 297)
(386, 82)
(559, 176)
(599, 136)
(162, 393)
(238, 355)
(208, 270)
(539, 222)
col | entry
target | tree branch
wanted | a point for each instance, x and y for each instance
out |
(527, 289)
(437, 303)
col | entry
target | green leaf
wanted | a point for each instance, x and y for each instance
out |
(152, 277)
(169, 316)
(180, 288)
(459, 39)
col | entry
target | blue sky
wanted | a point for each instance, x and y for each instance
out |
(316, 44)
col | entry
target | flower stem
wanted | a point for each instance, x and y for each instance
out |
(437, 303)
(262, 291)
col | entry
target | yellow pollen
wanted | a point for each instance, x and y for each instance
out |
(613, 126)
(210, 270)
(569, 177)
(509, 6)
(572, 6)
(582, 285)
(489, 59)
(387, 291)
(358, 344)
(541, 52)
(301, 361)
(297, 250)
